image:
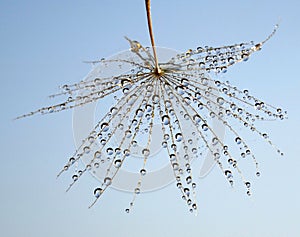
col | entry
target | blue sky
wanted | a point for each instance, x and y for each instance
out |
(43, 44)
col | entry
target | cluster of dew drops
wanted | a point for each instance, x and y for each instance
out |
(183, 100)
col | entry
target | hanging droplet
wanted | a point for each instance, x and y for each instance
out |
(204, 127)
(98, 192)
(228, 174)
(107, 181)
(197, 118)
(86, 149)
(104, 126)
(220, 100)
(146, 152)
(188, 179)
(75, 177)
(186, 191)
(137, 191)
(238, 140)
(178, 137)
(109, 151)
(155, 99)
(247, 184)
(143, 172)
(118, 163)
(165, 119)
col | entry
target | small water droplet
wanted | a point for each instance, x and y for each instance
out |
(165, 119)
(143, 172)
(107, 181)
(220, 100)
(146, 152)
(238, 140)
(118, 163)
(75, 177)
(155, 99)
(204, 127)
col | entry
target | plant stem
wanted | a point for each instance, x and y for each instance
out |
(148, 9)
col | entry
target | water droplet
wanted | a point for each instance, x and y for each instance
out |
(146, 152)
(197, 118)
(139, 113)
(204, 127)
(178, 137)
(180, 89)
(257, 173)
(72, 160)
(186, 191)
(143, 172)
(127, 210)
(220, 100)
(107, 181)
(175, 166)
(137, 191)
(165, 119)
(118, 163)
(228, 174)
(104, 126)
(188, 179)
(109, 151)
(247, 184)
(86, 149)
(98, 192)
(238, 140)
(184, 82)
(164, 144)
(155, 99)
(75, 177)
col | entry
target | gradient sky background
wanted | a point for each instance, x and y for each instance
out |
(43, 44)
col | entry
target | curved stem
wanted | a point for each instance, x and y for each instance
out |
(148, 9)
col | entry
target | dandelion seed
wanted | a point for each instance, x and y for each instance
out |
(179, 96)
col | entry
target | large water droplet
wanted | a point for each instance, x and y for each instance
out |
(98, 192)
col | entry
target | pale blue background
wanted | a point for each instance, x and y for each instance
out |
(42, 46)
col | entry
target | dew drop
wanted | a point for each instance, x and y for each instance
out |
(220, 100)
(204, 127)
(228, 174)
(75, 177)
(178, 137)
(146, 152)
(86, 149)
(238, 140)
(155, 99)
(98, 192)
(107, 181)
(165, 119)
(137, 191)
(109, 151)
(104, 126)
(143, 172)
(118, 163)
